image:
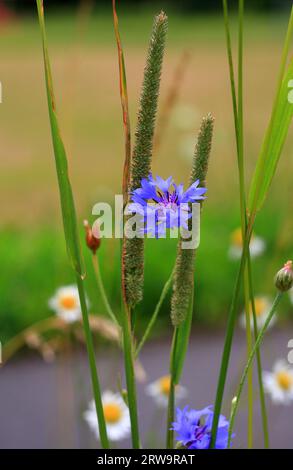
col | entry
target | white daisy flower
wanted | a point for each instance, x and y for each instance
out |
(262, 306)
(160, 388)
(65, 303)
(279, 383)
(116, 416)
(257, 245)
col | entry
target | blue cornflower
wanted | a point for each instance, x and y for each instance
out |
(163, 204)
(193, 428)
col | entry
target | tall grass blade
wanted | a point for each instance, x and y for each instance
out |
(229, 339)
(276, 133)
(70, 227)
(66, 196)
(129, 357)
(238, 124)
(124, 104)
(264, 416)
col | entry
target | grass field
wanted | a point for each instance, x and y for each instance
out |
(84, 60)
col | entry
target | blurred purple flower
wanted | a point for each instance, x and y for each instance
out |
(193, 428)
(162, 204)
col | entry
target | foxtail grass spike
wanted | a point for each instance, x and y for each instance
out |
(202, 151)
(143, 146)
(183, 285)
(184, 271)
(133, 250)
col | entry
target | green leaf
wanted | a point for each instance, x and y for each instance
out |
(272, 146)
(66, 196)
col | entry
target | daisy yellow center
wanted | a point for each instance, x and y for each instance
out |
(112, 412)
(285, 379)
(236, 237)
(164, 384)
(68, 302)
(260, 307)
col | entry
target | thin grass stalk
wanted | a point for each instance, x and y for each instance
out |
(92, 363)
(248, 349)
(171, 398)
(128, 351)
(99, 280)
(180, 342)
(127, 343)
(70, 225)
(258, 360)
(231, 71)
(250, 360)
(154, 316)
(229, 338)
(243, 214)
(124, 105)
(239, 118)
(238, 124)
(128, 348)
(127, 140)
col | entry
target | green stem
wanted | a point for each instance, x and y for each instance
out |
(92, 363)
(231, 71)
(239, 119)
(228, 340)
(250, 360)
(238, 124)
(155, 313)
(258, 360)
(128, 350)
(171, 398)
(243, 214)
(100, 283)
(248, 350)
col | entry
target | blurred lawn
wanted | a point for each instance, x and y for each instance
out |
(84, 60)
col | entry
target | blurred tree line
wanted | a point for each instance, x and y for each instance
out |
(182, 5)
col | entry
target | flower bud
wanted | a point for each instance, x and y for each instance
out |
(284, 277)
(93, 242)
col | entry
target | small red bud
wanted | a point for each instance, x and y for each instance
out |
(92, 241)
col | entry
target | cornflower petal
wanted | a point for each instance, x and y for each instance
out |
(166, 198)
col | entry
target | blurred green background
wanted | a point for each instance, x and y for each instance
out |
(84, 61)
